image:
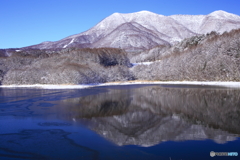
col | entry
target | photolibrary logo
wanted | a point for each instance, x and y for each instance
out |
(213, 154)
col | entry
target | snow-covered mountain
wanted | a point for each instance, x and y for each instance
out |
(143, 30)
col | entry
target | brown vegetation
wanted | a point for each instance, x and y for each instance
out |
(211, 57)
(72, 65)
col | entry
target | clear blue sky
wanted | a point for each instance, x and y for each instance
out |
(28, 22)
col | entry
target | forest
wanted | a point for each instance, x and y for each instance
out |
(209, 57)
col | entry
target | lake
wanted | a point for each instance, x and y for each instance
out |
(168, 122)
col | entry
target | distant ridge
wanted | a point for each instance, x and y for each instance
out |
(144, 30)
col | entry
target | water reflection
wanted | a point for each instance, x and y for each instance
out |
(149, 115)
(42, 144)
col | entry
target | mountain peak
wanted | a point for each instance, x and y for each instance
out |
(141, 13)
(223, 14)
(219, 12)
(116, 14)
(145, 12)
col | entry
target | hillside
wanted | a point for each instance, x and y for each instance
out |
(64, 66)
(211, 57)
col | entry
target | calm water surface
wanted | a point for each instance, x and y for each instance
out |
(119, 122)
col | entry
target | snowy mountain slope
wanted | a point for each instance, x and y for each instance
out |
(219, 21)
(131, 37)
(189, 21)
(144, 30)
(224, 15)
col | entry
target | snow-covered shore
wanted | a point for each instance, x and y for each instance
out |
(47, 86)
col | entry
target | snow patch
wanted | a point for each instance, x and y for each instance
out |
(43, 86)
(144, 63)
(175, 39)
(69, 43)
(199, 83)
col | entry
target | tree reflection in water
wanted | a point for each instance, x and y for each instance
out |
(149, 115)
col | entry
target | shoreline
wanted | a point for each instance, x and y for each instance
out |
(226, 84)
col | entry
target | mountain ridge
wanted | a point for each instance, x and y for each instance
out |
(145, 24)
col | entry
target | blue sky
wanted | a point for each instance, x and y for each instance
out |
(28, 22)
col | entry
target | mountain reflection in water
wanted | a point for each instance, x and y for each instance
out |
(149, 115)
(119, 122)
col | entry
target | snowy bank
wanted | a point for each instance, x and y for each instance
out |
(199, 83)
(43, 86)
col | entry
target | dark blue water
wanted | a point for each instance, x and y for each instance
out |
(119, 122)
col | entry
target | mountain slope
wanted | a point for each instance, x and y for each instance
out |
(144, 30)
(210, 57)
(64, 66)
